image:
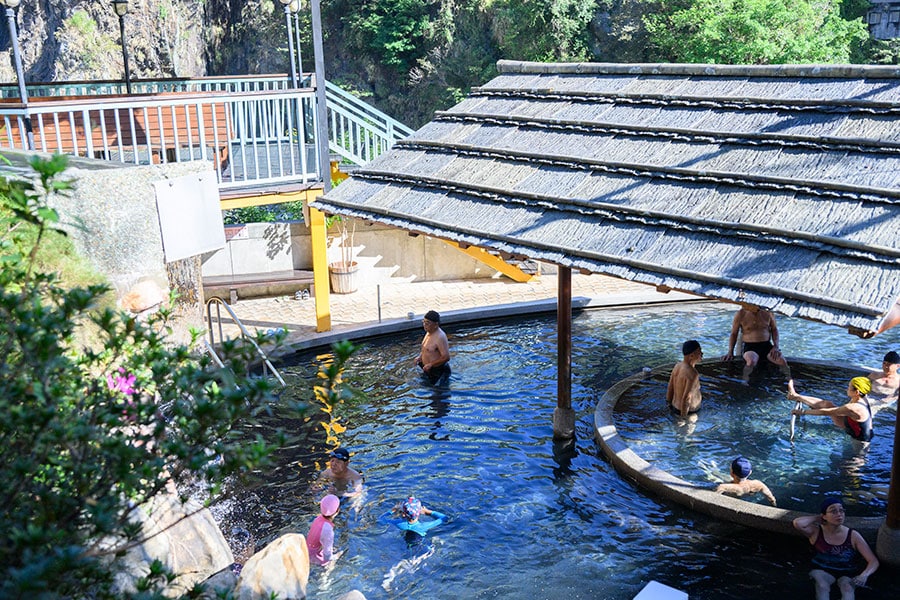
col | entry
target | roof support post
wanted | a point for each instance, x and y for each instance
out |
(564, 416)
(318, 241)
(887, 545)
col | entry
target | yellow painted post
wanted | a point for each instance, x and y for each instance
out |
(337, 175)
(320, 269)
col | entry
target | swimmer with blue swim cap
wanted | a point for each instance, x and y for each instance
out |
(410, 510)
(741, 483)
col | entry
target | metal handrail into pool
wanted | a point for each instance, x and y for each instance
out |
(245, 334)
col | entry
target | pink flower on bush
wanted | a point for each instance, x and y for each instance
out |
(121, 382)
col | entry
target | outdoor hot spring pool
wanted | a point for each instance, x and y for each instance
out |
(533, 520)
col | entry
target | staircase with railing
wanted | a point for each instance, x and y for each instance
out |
(256, 130)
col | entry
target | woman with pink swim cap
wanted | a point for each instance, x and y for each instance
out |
(320, 539)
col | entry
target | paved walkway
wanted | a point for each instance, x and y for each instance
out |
(403, 304)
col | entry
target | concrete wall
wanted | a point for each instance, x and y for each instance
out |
(382, 252)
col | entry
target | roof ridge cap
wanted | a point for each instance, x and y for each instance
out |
(709, 70)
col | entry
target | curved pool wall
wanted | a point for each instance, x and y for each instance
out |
(662, 483)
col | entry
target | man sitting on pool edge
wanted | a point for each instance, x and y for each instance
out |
(683, 393)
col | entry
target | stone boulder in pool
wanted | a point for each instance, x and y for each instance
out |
(281, 568)
(183, 536)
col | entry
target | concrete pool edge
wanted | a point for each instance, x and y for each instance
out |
(704, 500)
(467, 315)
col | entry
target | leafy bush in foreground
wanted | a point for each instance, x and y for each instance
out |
(87, 432)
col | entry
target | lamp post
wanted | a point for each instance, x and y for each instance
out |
(295, 9)
(290, 34)
(17, 57)
(121, 8)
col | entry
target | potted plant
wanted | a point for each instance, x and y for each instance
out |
(343, 271)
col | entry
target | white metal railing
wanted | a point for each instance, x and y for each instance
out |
(358, 131)
(245, 335)
(251, 137)
(270, 128)
(251, 83)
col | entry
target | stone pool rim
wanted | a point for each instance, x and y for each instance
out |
(699, 499)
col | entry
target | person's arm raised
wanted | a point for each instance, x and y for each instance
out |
(808, 526)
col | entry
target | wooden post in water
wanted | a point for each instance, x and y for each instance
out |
(887, 546)
(563, 415)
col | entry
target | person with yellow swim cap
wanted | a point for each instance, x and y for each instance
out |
(855, 417)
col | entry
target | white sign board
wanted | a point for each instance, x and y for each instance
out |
(190, 217)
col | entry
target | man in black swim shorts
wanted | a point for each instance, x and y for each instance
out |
(759, 333)
(434, 357)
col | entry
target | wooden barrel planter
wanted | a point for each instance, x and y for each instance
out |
(344, 277)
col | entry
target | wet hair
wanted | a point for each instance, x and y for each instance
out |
(433, 316)
(892, 358)
(689, 347)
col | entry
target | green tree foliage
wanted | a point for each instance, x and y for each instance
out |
(883, 52)
(396, 32)
(854, 9)
(267, 213)
(544, 30)
(752, 31)
(89, 430)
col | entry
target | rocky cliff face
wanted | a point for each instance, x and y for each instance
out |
(64, 40)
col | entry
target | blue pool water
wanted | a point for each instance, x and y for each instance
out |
(529, 519)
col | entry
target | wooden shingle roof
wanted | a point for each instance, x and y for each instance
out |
(772, 185)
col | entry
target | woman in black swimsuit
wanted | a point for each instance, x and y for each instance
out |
(855, 417)
(840, 551)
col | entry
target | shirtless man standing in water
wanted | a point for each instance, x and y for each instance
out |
(434, 358)
(683, 393)
(885, 383)
(759, 335)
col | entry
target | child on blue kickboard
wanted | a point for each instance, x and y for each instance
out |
(405, 516)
